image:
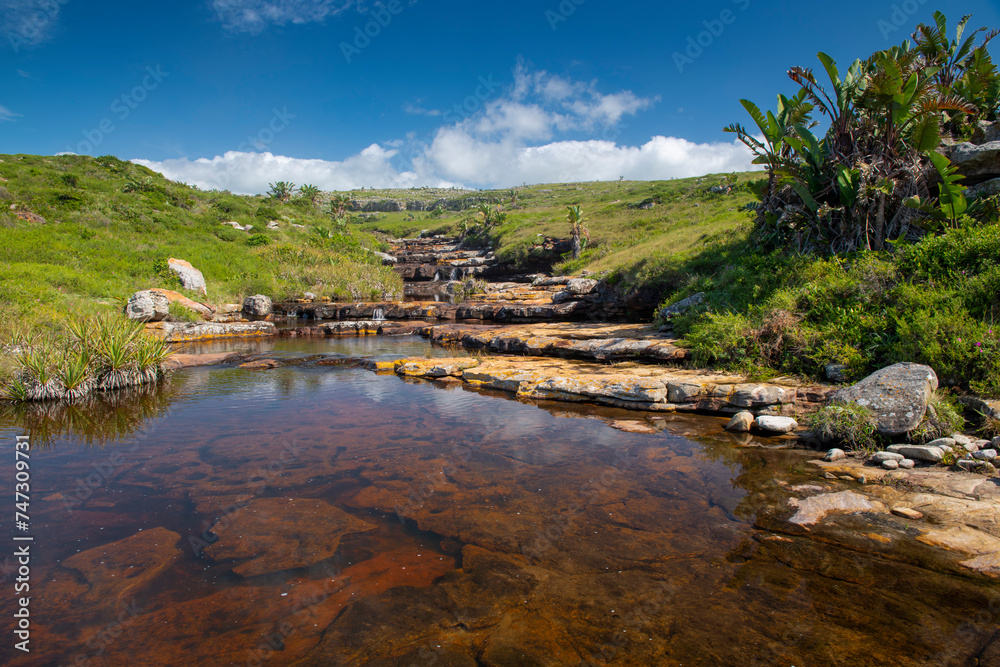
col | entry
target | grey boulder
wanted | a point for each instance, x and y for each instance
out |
(147, 306)
(256, 307)
(897, 394)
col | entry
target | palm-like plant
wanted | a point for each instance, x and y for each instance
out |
(282, 191)
(846, 190)
(339, 203)
(310, 192)
(580, 233)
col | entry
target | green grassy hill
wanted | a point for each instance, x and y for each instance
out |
(79, 234)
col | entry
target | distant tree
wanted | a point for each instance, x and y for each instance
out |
(579, 232)
(310, 192)
(282, 191)
(339, 203)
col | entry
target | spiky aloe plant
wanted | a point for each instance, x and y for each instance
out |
(75, 373)
(113, 341)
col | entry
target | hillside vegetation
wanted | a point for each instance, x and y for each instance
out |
(79, 235)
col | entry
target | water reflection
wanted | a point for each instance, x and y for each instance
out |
(326, 515)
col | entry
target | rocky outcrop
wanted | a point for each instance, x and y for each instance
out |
(897, 394)
(257, 307)
(191, 278)
(147, 306)
(184, 332)
(650, 388)
(977, 163)
(681, 306)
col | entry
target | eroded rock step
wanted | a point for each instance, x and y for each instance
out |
(649, 388)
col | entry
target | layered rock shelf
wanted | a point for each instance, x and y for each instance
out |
(188, 332)
(587, 341)
(650, 388)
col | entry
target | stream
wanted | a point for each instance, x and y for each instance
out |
(318, 513)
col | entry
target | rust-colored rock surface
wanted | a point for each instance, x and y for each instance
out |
(282, 534)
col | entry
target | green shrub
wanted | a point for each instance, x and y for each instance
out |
(255, 240)
(720, 338)
(851, 425)
(943, 417)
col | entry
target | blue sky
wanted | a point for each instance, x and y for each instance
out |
(237, 93)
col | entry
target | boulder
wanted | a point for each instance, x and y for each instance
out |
(897, 394)
(741, 422)
(581, 286)
(272, 224)
(835, 455)
(256, 307)
(191, 278)
(985, 189)
(977, 163)
(147, 306)
(836, 372)
(919, 452)
(681, 306)
(776, 424)
(979, 408)
(986, 132)
(176, 297)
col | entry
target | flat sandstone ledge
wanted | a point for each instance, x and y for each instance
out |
(603, 342)
(650, 388)
(187, 332)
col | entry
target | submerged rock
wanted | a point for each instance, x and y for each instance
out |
(281, 534)
(119, 570)
(814, 509)
(897, 394)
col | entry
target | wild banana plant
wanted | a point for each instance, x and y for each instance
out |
(885, 118)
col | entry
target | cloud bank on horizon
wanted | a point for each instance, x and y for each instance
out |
(520, 136)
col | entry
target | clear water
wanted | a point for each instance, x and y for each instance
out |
(325, 515)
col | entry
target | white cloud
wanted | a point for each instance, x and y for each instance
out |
(253, 16)
(6, 114)
(511, 139)
(417, 110)
(28, 22)
(250, 173)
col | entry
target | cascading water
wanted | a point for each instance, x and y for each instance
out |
(456, 274)
(378, 315)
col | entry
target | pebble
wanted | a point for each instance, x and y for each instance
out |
(907, 513)
(890, 464)
(942, 442)
(961, 439)
(907, 464)
(973, 447)
(985, 455)
(835, 455)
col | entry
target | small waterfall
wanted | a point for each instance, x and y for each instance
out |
(456, 274)
(437, 276)
(378, 315)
